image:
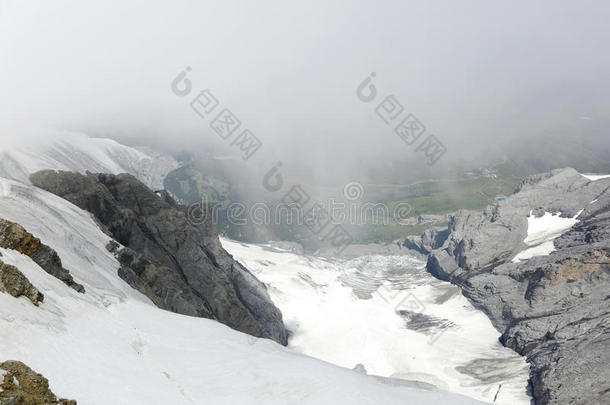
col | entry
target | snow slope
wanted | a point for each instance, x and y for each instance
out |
(594, 177)
(345, 312)
(541, 232)
(77, 152)
(112, 346)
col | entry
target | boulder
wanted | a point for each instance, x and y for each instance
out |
(13, 282)
(20, 385)
(14, 236)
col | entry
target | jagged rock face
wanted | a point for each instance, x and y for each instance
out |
(431, 239)
(13, 282)
(14, 236)
(480, 241)
(180, 265)
(22, 386)
(554, 309)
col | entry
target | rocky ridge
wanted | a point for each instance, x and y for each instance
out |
(13, 282)
(20, 385)
(175, 261)
(14, 236)
(553, 309)
(431, 239)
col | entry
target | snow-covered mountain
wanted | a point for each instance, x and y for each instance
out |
(111, 345)
(417, 337)
(76, 152)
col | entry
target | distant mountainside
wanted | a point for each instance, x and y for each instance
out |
(77, 152)
(546, 153)
(538, 264)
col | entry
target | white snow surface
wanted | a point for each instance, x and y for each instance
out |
(542, 231)
(329, 321)
(543, 249)
(594, 177)
(77, 152)
(113, 346)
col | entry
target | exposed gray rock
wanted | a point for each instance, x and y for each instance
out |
(14, 236)
(15, 283)
(359, 368)
(175, 259)
(20, 385)
(49, 260)
(554, 309)
(420, 322)
(431, 239)
(488, 370)
(480, 241)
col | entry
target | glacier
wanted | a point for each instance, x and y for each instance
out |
(348, 312)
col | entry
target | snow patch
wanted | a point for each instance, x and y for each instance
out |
(547, 227)
(594, 177)
(545, 248)
(542, 231)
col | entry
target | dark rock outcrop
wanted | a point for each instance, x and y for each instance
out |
(170, 256)
(22, 386)
(13, 282)
(432, 238)
(14, 236)
(553, 309)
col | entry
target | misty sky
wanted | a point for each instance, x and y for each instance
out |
(476, 73)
